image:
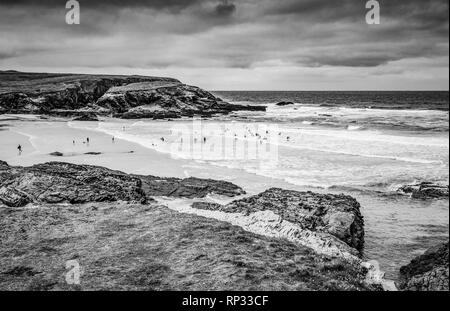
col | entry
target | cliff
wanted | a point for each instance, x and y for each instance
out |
(132, 97)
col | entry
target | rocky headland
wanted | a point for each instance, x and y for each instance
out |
(86, 96)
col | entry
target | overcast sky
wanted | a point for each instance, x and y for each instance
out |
(236, 44)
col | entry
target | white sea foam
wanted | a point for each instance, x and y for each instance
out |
(312, 157)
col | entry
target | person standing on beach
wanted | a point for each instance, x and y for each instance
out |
(113, 140)
(20, 149)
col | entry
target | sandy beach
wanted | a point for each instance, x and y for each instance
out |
(40, 138)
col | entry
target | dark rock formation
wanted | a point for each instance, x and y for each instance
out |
(425, 190)
(67, 183)
(133, 247)
(428, 272)
(281, 104)
(130, 97)
(57, 154)
(188, 188)
(165, 100)
(337, 215)
(57, 182)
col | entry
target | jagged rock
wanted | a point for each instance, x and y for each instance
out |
(281, 104)
(165, 100)
(428, 272)
(188, 188)
(425, 190)
(336, 215)
(68, 183)
(129, 97)
(57, 182)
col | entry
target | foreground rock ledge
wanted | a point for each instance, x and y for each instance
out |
(118, 208)
(57, 182)
(146, 247)
(337, 216)
(428, 272)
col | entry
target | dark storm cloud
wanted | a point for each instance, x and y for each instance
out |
(224, 33)
(411, 28)
(225, 8)
(5, 55)
(156, 4)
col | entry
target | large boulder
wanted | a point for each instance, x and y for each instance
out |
(337, 216)
(68, 183)
(428, 272)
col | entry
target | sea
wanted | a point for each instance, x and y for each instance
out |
(363, 144)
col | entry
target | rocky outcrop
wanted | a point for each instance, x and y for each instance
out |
(188, 188)
(282, 104)
(129, 97)
(330, 224)
(337, 215)
(165, 100)
(57, 182)
(67, 183)
(428, 272)
(425, 190)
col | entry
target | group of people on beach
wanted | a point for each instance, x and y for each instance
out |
(84, 142)
(88, 140)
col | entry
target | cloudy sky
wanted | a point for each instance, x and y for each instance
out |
(236, 44)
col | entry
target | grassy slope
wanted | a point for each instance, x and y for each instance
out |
(11, 81)
(136, 247)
